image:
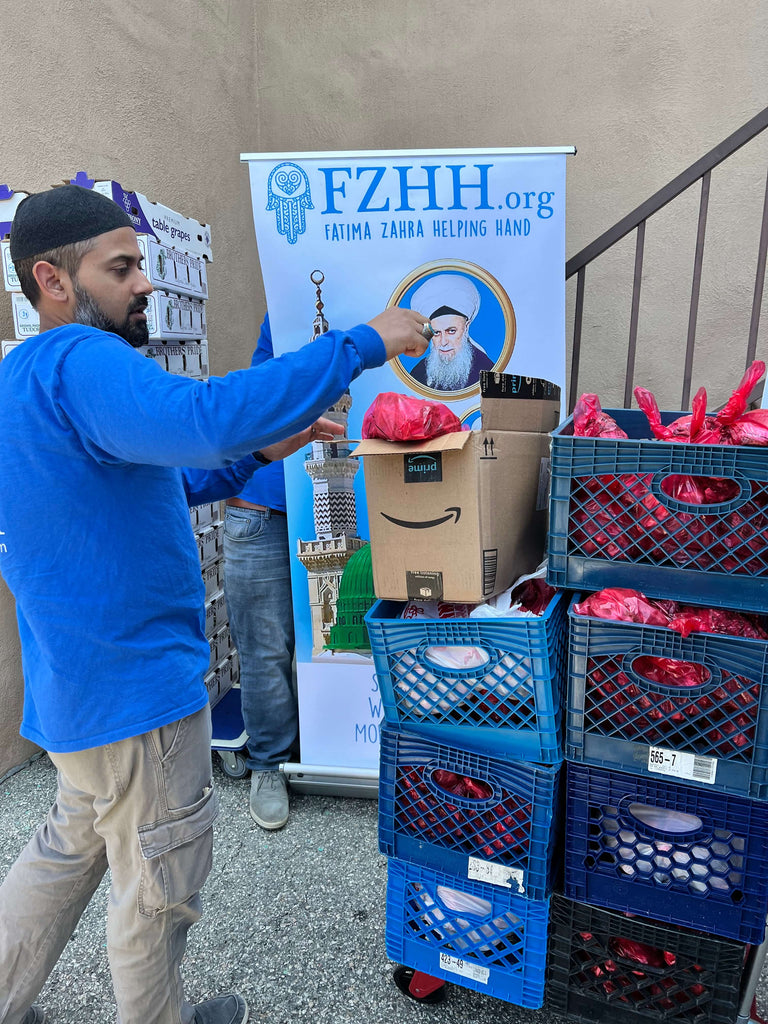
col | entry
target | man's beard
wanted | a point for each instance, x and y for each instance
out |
(453, 375)
(89, 313)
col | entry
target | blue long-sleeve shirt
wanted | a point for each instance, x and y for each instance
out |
(95, 538)
(267, 487)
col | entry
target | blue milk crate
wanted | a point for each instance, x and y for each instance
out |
(667, 851)
(511, 705)
(715, 735)
(612, 525)
(506, 838)
(474, 935)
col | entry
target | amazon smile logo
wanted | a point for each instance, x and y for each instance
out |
(413, 524)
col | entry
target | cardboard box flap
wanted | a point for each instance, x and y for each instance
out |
(453, 442)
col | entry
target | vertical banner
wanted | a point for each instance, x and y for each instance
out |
(475, 241)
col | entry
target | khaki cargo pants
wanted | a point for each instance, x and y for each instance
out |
(145, 807)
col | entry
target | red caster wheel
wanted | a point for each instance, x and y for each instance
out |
(422, 988)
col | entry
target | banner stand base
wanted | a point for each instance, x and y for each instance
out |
(332, 780)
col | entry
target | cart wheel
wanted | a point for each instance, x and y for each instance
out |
(233, 764)
(422, 988)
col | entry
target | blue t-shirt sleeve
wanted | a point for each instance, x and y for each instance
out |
(126, 408)
(204, 485)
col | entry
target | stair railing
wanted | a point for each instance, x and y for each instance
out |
(635, 221)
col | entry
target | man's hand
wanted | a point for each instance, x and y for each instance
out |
(401, 331)
(321, 430)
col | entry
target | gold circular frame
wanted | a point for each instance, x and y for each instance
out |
(510, 324)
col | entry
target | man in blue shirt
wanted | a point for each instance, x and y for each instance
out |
(257, 583)
(102, 451)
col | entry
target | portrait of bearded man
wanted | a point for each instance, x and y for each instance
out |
(454, 360)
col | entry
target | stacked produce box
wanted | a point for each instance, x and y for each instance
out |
(471, 746)
(660, 523)
(175, 250)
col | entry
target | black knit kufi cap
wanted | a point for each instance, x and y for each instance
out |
(62, 216)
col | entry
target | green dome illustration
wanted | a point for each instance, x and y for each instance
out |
(355, 598)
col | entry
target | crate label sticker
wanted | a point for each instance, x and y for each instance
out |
(682, 766)
(542, 495)
(457, 966)
(496, 874)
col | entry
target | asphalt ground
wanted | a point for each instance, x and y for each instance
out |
(293, 920)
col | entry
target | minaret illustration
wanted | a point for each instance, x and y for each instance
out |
(332, 472)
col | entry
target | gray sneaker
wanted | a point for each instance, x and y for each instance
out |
(34, 1015)
(269, 799)
(231, 1009)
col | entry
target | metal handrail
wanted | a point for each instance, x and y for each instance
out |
(699, 171)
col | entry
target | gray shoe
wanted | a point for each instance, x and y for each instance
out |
(269, 799)
(231, 1009)
(34, 1015)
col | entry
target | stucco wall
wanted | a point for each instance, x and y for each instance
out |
(165, 98)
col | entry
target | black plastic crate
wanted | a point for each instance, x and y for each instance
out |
(601, 962)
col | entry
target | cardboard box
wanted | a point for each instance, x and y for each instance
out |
(172, 271)
(169, 228)
(213, 577)
(6, 346)
(460, 517)
(10, 277)
(9, 200)
(190, 358)
(26, 319)
(175, 318)
(169, 318)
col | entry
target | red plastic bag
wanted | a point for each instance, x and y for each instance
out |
(732, 425)
(700, 490)
(671, 671)
(631, 949)
(717, 620)
(395, 417)
(736, 405)
(462, 785)
(698, 428)
(589, 420)
(622, 605)
(534, 595)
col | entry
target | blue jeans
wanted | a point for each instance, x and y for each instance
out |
(257, 585)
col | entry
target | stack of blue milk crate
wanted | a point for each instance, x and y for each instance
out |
(666, 834)
(469, 794)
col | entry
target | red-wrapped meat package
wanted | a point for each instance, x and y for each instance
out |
(698, 428)
(395, 417)
(740, 426)
(717, 620)
(623, 605)
(589, 420)
(462, 785)
(732, 425)
(533, 595)
(671, 671)
(631, 949)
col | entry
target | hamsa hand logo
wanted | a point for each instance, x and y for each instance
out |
(289, 196)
